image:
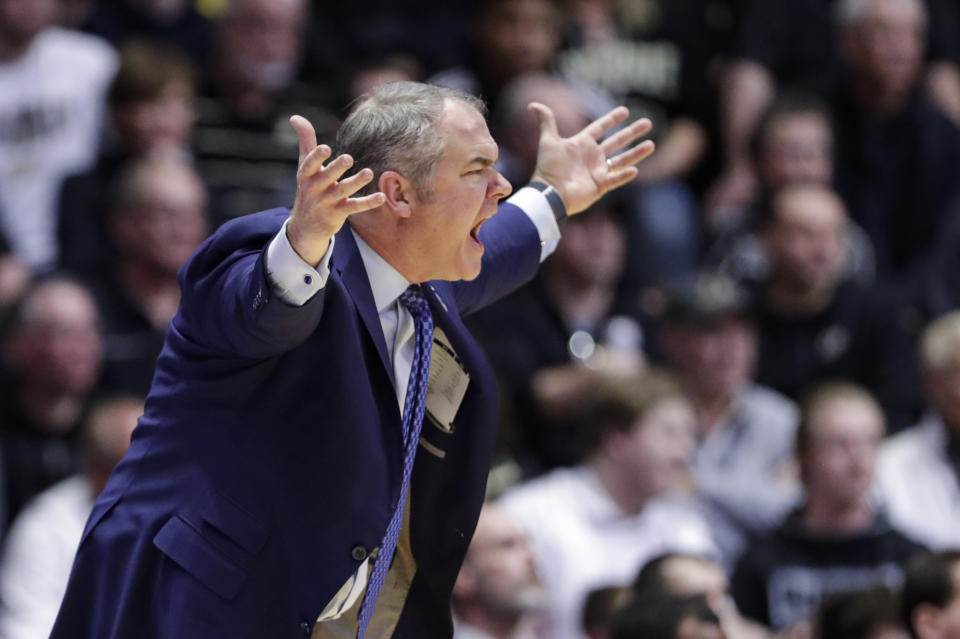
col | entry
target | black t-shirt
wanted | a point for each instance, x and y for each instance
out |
(899, 179)
(658, 65)
(860, 336)
(784, 575)
(794, 39)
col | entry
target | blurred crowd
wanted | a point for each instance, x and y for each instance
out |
(730, 399)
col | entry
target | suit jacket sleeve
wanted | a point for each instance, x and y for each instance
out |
(227, 305)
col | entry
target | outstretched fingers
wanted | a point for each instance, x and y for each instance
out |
(332, 190)
(599, 127)
(353, 205)
(618, 178)
(631, 156)
(306, 135)
(626, 135)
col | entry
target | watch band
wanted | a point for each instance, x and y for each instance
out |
(553, 199)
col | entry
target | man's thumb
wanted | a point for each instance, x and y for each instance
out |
(548, 122)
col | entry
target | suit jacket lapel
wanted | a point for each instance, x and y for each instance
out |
(348, 263)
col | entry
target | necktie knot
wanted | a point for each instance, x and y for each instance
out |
(415, 302)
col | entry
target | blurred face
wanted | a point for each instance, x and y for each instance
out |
(262, 42)
(499, 571)
(943, 389)
(158, 125)
(798, 148)
(715, 358)
(887, 47)
(593, 248)
(441, 236)
(658, 447)
(61, 346)
(805, 239)
(519, 36)
(20, 20)
(169, 223)
(838, 464)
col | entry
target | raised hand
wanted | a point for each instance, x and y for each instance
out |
(323, 201)
(582, 168)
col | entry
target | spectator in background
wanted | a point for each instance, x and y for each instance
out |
(653, 57)
(792, 144)
(157, 220)
(151, 112)
(53, 349)
(596, 524)
(930, 603)
(668, 617)
(540, 337)
(837, 540)
(43, 540)
(172, 24)
(786, 45)
(509, 38)
(812, 324)
(868, 614)
(918, 469)
(896, 155)
(680, 575)
(244, 146)
(49, 129)
(795, 45)
(744, 455)
(497, 593)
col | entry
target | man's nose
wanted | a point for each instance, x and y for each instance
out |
(501, 187)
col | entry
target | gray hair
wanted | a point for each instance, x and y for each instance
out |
(392, 128)
(848, 13)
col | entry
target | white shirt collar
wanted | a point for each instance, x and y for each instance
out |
(386, 282)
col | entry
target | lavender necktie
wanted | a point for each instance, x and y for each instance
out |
(414, 405)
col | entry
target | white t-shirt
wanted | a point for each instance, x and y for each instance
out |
(582, 540)
(51, 112)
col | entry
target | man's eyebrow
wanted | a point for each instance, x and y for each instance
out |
(485, 160)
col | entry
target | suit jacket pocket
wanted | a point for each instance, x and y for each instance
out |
(189, 549)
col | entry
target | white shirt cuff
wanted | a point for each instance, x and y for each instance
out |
(294, 280)
(535, 205)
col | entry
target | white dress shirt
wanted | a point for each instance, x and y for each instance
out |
(296, 281)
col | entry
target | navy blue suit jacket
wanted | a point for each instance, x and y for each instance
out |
(268, 459)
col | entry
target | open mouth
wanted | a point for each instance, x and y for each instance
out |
(475, 233)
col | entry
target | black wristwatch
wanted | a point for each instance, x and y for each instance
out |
(553, 199)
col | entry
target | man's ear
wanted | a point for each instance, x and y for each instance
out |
(926, 621)
(399, 191)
